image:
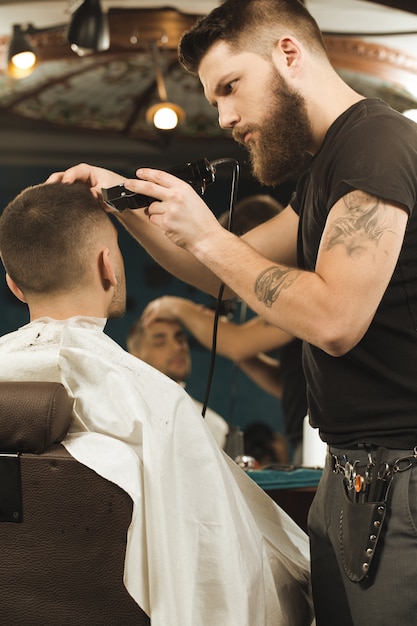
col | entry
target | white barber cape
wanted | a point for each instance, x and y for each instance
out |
(217, 425)
(206, 546)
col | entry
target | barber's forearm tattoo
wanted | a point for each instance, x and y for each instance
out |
(272, 281)
(368, 219)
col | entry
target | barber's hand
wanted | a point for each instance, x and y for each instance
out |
(96, 177)
(179, 211)
(164, 308)
(160, 308)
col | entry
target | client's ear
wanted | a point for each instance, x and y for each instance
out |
(107, 268)
(15, 289)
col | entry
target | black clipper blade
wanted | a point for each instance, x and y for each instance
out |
(199, 174)
(120, 198)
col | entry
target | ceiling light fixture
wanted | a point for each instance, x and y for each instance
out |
(88, 31)
(21, 55)
(163, 115)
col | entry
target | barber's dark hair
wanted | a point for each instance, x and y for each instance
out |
(259, 440)
(249, 25)
(251, 211)
(46, 234)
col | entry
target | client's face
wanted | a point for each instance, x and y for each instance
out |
(117, 306)
(164, 345)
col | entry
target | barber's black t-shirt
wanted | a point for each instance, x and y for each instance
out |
(294, 398)
(368, 395)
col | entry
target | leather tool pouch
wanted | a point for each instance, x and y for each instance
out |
(359, 533)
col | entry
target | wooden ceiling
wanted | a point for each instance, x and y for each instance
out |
(131, 30)
(109, 92)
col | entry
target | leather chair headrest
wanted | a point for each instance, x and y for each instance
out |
(33, 415)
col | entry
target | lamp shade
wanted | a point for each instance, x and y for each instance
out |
(21, 56)
(88, 30)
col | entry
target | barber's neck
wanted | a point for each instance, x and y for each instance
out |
(324, 108)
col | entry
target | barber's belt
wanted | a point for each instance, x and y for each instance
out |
(370, 482)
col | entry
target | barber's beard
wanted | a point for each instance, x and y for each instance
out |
(278, 151)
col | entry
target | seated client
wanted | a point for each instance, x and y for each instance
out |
(206, 545)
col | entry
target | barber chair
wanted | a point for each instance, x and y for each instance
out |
(62, 527)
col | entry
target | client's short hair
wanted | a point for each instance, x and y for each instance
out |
(46, 235)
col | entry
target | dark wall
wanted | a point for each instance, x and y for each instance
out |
(232, 395)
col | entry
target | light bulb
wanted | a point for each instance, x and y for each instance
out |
(165, 118)
(24, 60)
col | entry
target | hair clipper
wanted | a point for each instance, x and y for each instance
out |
(199, 174)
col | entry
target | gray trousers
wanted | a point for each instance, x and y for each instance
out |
(389, 595)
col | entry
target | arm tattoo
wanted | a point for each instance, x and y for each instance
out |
(272, 281)
(366, 221)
